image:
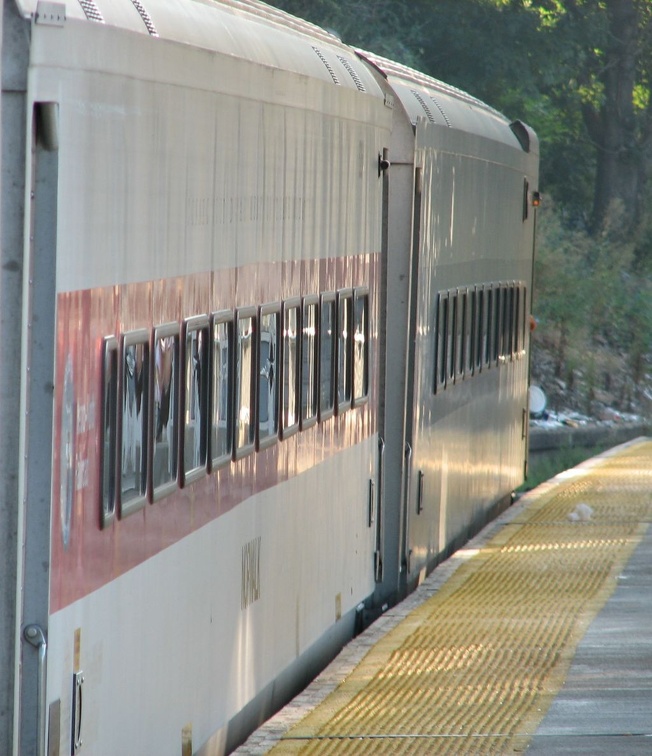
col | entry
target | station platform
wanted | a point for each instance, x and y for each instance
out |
(534, 638)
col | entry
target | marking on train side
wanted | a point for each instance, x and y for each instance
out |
(250, 587)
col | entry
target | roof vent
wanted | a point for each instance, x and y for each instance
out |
(441, 110)
(329, 68)
(424, 105)
(91, 10)
(147, 19)
(351, 71)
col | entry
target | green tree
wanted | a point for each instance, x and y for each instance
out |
(579, 70)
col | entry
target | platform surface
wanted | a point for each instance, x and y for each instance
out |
(535, 638)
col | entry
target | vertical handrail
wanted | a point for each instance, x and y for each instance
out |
(35, 636)
(380, 511)
(408, 486)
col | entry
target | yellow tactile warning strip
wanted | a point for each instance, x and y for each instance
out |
(474, 668)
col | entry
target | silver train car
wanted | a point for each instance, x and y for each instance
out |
(264, 309)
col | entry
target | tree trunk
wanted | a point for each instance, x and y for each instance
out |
(620, 166)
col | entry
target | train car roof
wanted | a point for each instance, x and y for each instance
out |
(246, 29)
(427, 98)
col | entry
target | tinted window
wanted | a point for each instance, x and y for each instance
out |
(291, 393)
(164, 441)
(360, 346)
(221, 390)
(133, 447)
(268, 384)
(109, 429)
(244, 382)
(327, 342)
(195, 419)
(309, 386)
(344, 349)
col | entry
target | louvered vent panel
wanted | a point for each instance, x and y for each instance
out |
(424, 105)
(91, 10)
(147, 19)
(356, 79)
(329, 68)
(441, 110)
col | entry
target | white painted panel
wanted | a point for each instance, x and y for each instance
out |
(168, 643)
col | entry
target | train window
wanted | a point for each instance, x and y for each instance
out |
(245, 382)
(133, 429)
(496, 323)
(450, 337)
(361, 346)
(344, 349)
(291, 366)
(268, 384)
(441, 333)
(490, 326)
(327, 361)
(523, 319)
(471, 331)
(504, 321)
(516, 322)
(165, 410)
(459, 334)
(480, 328)
(469, 320)
(511, 320)
(109, 430)
(194, 426)
(309, 361)
(221, 432)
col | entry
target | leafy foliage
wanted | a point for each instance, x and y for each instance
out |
(579, 71)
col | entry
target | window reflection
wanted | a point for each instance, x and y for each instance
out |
(344, 331)
(290, 369)
(109, 429)
(221, 396)
(268, 391)
(166, 355)
(327, 356)
(245, 356)
(134, 423)
(195, 409)
(360, 346)
(309, 363)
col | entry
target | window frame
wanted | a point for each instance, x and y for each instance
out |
(327, 300)
(480, 328)
(110, 392)
(166, 330)
(218, 318)
(194, 324)
(265, 310)
(139, 337)
(451, 320)
(441, 335)
(307, 421)
(346, 402)
(289, 429)
(243, 450)
(361, 293)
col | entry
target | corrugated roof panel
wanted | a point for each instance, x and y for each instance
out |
(243, 28)
(425, 97)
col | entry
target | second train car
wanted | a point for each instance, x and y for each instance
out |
(265, 308)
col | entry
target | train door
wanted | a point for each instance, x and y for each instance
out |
(396, 329)
(412, 477)
(13, 62)
(37, 381)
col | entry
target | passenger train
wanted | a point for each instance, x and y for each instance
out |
(265, 324)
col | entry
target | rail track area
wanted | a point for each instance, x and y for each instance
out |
(535, 638)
